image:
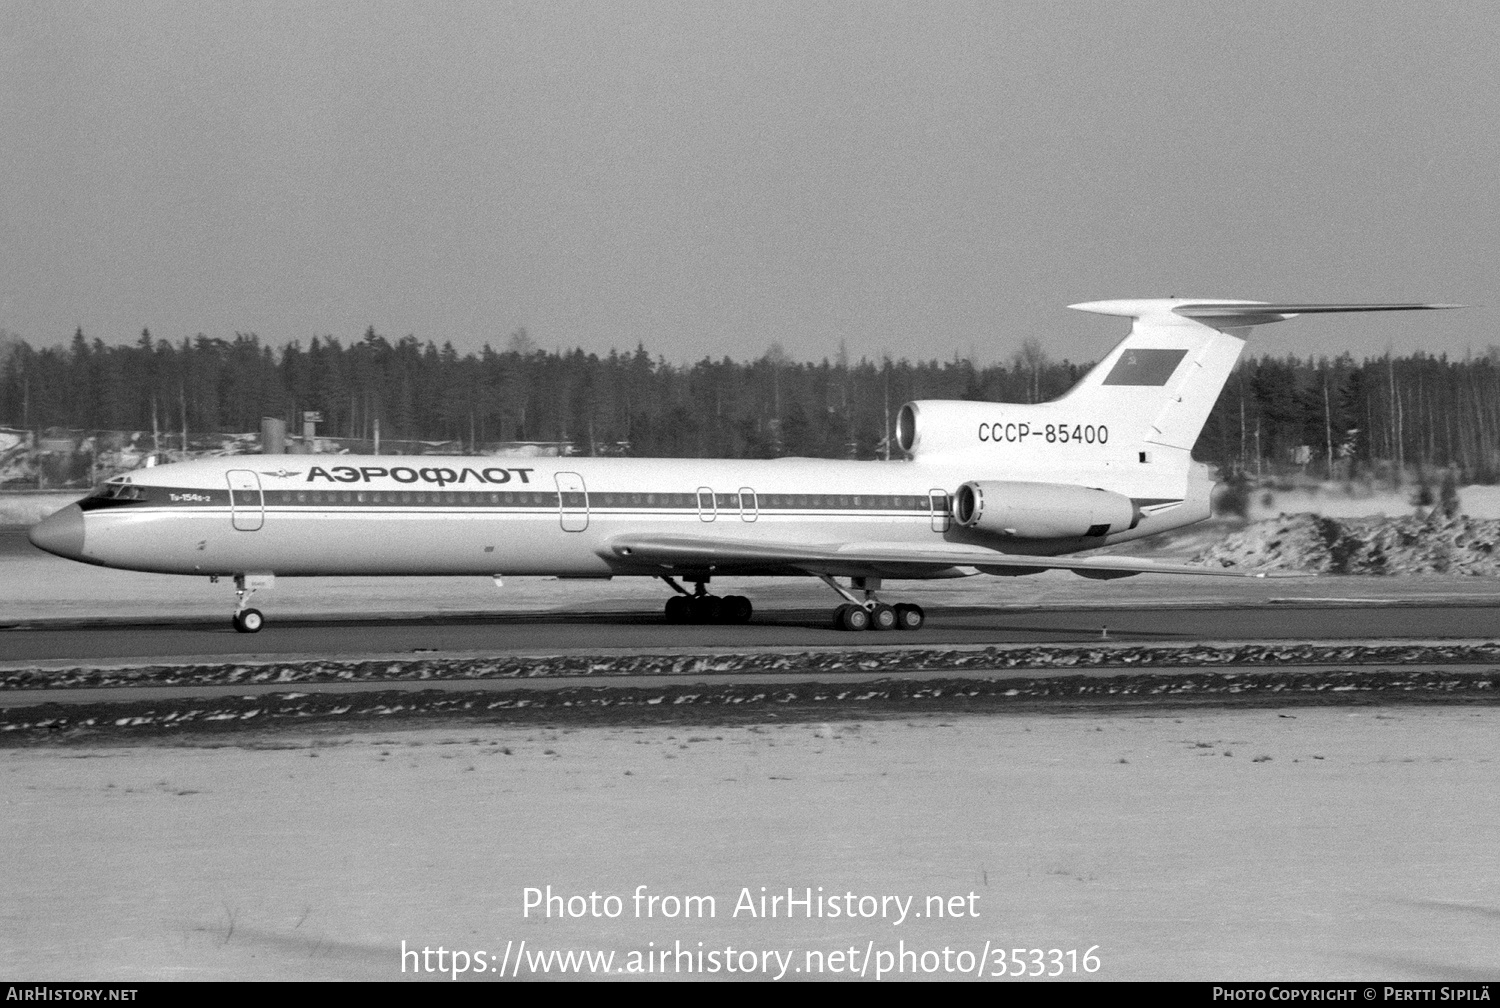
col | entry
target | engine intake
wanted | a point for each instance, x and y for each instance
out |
(1041, 510)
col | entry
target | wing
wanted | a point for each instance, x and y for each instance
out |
(893, 560)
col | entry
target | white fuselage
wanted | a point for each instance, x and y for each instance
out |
(307, 515)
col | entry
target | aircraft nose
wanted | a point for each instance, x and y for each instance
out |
(60, 533)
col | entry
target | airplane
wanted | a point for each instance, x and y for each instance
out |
(997, 488)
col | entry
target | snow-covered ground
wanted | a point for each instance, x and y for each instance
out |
(1335, 501)
(1318, 843)
(20, 509)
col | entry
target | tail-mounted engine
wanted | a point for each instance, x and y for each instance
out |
(1041, 510)
(937, 426)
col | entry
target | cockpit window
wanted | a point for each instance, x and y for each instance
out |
(119, 492)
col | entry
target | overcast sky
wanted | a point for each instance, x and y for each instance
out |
(914, 179)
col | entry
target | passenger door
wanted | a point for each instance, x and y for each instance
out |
(572, 502)
(938, 501)
(247, 505)
(749, 511)
(708, 508)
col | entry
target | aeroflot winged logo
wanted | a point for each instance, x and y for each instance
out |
(442, 476)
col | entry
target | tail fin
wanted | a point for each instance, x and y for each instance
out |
(1162, 380)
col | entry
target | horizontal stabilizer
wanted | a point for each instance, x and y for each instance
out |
(704, 552)
(1225, 313)
(1239, 311)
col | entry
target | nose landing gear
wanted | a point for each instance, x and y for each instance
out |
(700, 607)
(872, 614)
(246, 619)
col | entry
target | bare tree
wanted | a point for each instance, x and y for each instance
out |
(1031, 360)
(520, 343)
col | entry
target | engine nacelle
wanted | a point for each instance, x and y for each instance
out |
(1041, 510)
(939, 426)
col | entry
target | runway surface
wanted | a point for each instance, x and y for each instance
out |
(606, 631)
(168, 620)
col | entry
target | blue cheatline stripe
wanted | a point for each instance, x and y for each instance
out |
(189, 497)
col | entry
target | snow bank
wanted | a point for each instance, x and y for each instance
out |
(1372, 545)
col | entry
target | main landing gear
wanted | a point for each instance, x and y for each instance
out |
(698, 606)
(246, 619)
(872, 614)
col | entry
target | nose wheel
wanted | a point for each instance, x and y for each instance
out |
(872, 614)
(248, 620)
